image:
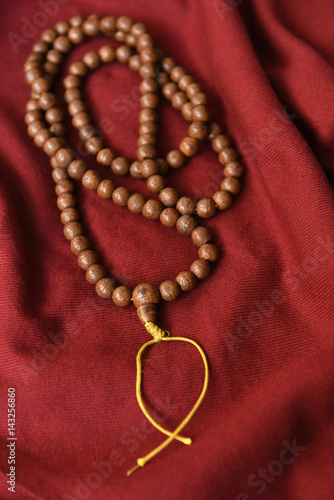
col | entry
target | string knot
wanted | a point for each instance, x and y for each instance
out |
(156, 332)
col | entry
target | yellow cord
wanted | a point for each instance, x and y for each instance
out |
(159, 335)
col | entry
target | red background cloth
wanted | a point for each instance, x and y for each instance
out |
(264, 316)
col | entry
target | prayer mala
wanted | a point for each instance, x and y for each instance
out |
(45, 125)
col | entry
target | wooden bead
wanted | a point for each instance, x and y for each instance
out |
(135, 170)
(148, 85)
(155, 183)
(91, 180)
(148, 56)
(136, 203)
(62, 27)
(107, 53)
(177, 73)
(186, 224)
(53, 115)
(200, 268)
(134, 63)
(48, 35)
(185, 81)
(76, 106)
(105, 189)
(149, 101)
(52, 145)
(65, 186)
(147, 312)
(205, 208)
(86, 132)
(78, 68)
(169, 290)
(169, 90)
(167, 64)
(64, 157)
(33, 105)
(189, 146)
(58, 129)
(193, 89)
(169, 217)
(223, 200)
(179, 99)
(122, 296)
(59, 174)
(187, 112)
(123, 53)
(208, 252)
(72, 94)
(231, 184)
(152, 209)
(199, 99)
(105, 287)
(120, 166)
(138, 29)
(147, 115)
(32, 116)
(76, 20)
(201, 113)
(76, 169)
(146, 139)
(47, 101)
(187, 281)
(214, 130)
(72, 229)
(41, 136)
(93, 145)
(144, 42)
(40, 85)
(108, 25)
(148, 168)
(145, 293)
(33, 75)
(124, 23)
(79, 243)
(201, 235)
(148, 128)
(148, 70)
(186, 205)
(72, 82)
(105, 157)
(91, 27)
(86, 258)
(76, 35)
(62, 43)
(66, 200)
(146, 151)
(198, 130)
(219, 142)
(233, 169)
(69, 215)
(120, 196)
(168, 197)
(35, 127)
(94, 273)
(120, 36)
(80, 119)
(175, 158)
(227, 155)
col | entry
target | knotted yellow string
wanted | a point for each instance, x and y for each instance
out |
(159, 335)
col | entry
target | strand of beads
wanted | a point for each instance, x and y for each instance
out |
(45, 124)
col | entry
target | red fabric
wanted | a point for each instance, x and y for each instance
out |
(264, 316)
